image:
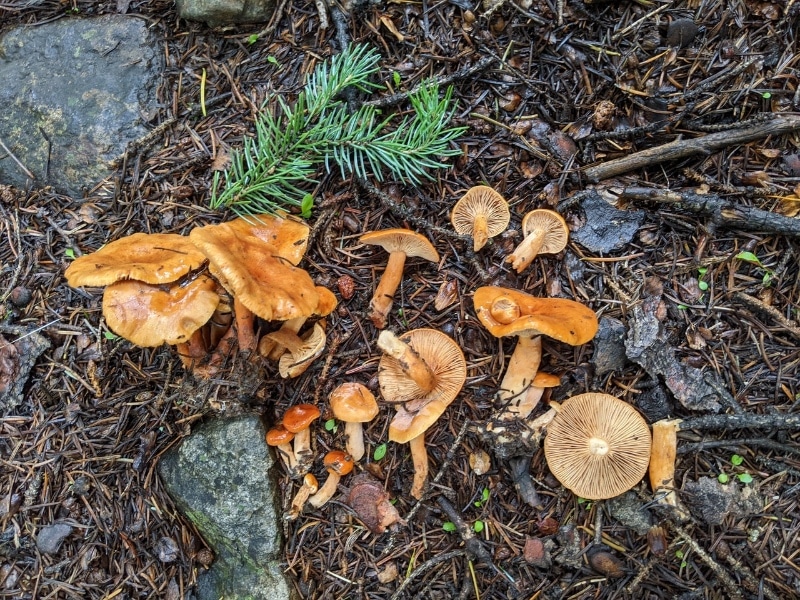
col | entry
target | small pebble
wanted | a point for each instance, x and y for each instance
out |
(51, 536)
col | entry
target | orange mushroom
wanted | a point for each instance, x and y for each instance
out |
(481, 213)
(353, 404)
(337, 464)
(545, 232)
(399, 243)
(280, 438)
(298, 420)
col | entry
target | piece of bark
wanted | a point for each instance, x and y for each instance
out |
(683, 147)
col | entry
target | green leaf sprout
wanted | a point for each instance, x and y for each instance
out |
(737, 460)
(478, 526)
(449, 526)
(379, 452)
(330, 425)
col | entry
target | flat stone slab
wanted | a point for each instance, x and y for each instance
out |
(74, 94)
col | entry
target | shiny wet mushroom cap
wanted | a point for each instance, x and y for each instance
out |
(153, 258)
(353, 404)
(481, 213)
(597, 446)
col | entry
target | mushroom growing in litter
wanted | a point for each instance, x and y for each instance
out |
(273, 350)
(507, 312)
(338, 464)
(298, 420)
(279, 437)
(662, 465)
(299, 357)
(545, 232)
(421, 371)
(399, 243)
(597, 446)
(481, 213)
(310, 486)
(353, 404)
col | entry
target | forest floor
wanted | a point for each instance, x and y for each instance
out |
(563, 87)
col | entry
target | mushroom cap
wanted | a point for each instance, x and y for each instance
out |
(552, 224)
(353, 403)
(250, 260)
(338, 462)
(445, 360)
(545, 380)
(149, 257)
(481, 200)
(402, 240)
(559, 318)
(295, 362)
(279, 435)
(310, 482)
(327, 302)
(597, 446)
(300, 417)
(149, 315)
(406, 425)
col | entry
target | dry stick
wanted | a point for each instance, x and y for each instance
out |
(688, 147)
(765, 309)
(733, 588)
(426, 566)
(16, 160)
(758, 442)
(723, 213)
(741, 421)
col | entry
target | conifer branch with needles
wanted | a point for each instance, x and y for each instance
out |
(275, 168)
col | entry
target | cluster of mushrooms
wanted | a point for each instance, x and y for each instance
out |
(203, 292)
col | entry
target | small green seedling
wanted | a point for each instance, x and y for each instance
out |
(70, 253)
(252, 38)
(703, 285)
(306, 205)
(585, 503)
(679, 554)
(737, 460)
(449, 526)
(273, 61)
(766, 95)
(330, 425)
(723, 478)
(484, 498)
(396, 78)
(379, 452)
(750, 258)
(478, 526)
(745, 478)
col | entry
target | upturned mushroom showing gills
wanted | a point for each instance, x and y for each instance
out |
(422, 372)
(597, 446)
(507, 312)
(545, 232)
(353, 404)
(481, 213)
(337, 464)
(399, 243)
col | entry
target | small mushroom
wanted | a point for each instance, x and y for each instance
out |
(309, 487)
(597, 446)
(422, 371)
(507, 312)
(298, 420)
(279, 437)
(270, 348)
(295, 362)
(338, 464)
(353, 404)
(545, 232)
(481, 213)
(399, 243)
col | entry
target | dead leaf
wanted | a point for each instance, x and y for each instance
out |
(221, 161)
(389, 24)
(447, 294)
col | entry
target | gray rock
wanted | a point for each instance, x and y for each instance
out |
(712, 501)
(50, 537)
(226, 12)
(219, 477)
(606, 228)
(73, 95)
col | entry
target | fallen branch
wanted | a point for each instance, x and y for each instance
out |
(681, 148)
(723, 212)
(765, 309)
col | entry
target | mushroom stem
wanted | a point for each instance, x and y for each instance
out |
(245, 326)
(662, 461)
(354, 433)
(381, 303)
(410, 362)
(302, 452)
(526, 251)
(419, 454)
(218, 356)
(516, 392)
(309, 487)
(286, 453)
(271, 347)
(480, 232)
(192, 350)
(327, 490)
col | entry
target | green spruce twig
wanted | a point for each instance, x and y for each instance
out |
(275, 168)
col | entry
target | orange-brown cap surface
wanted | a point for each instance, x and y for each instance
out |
(559, 318)
(597, 446)
(300, 417)
(279, 435)
(149, 257)
(339, 462)
(251, 261)
(402, 240)
(353, 403)
(148, 315)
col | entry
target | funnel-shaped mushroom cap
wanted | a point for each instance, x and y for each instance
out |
(251, 261)
(481, 213)
(505, 312)
(406, 241)
(443, 357)
(353, 403)
(551, 225)
(152, 258)
(597, 446)
(148, 315)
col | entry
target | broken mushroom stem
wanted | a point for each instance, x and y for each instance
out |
(410, 362)
(338, 464)
(663, 453)
(383, 298)
(419, 456)
(310, 486)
